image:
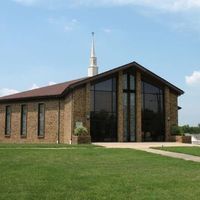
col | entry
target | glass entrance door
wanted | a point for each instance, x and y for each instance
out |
(129, 107)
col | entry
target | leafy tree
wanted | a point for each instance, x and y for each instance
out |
(190, 129)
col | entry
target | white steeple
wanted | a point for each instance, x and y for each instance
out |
(93, 68)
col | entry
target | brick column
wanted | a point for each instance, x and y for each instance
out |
(87, 107)
(167, 114)
(120, 126)
(138, 113)
(68, 119)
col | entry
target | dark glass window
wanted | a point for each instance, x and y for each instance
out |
(152, 112)
(125, 82)
(104, 86)
(132, 82)
(129, 106)
(8, 121)
(24, 111)
(103, 101)
(103, 115)
(41, 120)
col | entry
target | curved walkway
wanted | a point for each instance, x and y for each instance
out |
(148, 148)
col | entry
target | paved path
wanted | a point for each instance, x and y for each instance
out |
(147, 147)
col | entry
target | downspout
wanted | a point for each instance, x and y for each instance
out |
(58, 135)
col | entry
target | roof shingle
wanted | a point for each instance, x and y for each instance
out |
(52, 90)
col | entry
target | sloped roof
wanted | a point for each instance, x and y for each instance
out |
(51, 91)
(59, 90)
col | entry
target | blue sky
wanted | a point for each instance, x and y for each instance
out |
(48, 41)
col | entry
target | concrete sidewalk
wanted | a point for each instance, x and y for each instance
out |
(148, 145)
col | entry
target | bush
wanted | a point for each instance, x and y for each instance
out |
(176, 130)
(80, 131)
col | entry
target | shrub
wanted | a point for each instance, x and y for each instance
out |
(80, 131)
(176, 130)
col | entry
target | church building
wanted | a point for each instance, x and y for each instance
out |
(126, 104)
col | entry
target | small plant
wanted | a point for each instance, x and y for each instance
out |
(80, 131)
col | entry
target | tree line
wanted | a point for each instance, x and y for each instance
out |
(181, 130)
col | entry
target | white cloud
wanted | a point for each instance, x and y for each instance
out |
(169, 5)
(34, 86)
(67, 25)
(68, 28)
(51, 83)
(52, 20)
(7, 91)
(187, 21)
(71, 25)
(27, 2)
(107, 30)
(193, 79)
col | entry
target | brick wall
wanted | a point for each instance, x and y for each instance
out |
(80, 108)
(173, 109)
(120, 126)
(138, 109)
(51, 122)
(67, 119)
(171, 112)
(60, 118)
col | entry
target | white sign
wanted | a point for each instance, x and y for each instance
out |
(79, 124)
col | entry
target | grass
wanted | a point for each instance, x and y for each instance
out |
(45, 146)
(92, 173)
(195, 151)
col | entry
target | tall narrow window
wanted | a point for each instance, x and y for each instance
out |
(24, 120)
(41, 120)
(103, 116)
(153, 122)
(129, 106)
(8, 121)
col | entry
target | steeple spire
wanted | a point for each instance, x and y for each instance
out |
(93, 68)
(93, 47)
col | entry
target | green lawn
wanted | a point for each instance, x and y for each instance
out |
(90, 173)
(33, 146)
(187, 150)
